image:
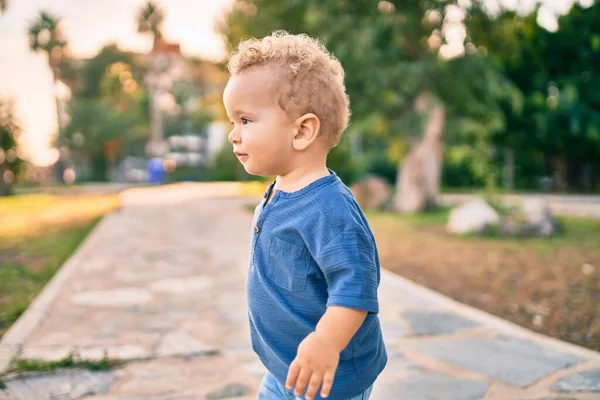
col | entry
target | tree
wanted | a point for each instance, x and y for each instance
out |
(401, 77)
(558, 75)
(45, 35)
(10, 161)
(102, 125)
(91, 73)
(150, 19)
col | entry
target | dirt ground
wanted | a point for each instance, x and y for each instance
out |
(551, 286)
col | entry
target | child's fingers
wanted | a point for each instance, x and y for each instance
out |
(313, 385)
(293, 372)
(303, 378)
(327, 383)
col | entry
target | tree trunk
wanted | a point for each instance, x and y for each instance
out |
(155, 146)
(560, 174)
(111, 149)
(419, 173)
(59, 167)
(5, 187)
(509, 169)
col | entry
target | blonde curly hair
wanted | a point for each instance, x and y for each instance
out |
(310, 78)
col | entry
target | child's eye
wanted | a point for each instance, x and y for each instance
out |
(245, 121)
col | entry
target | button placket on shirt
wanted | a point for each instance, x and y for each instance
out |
(260, 220)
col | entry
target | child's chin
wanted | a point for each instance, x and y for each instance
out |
(253, 171)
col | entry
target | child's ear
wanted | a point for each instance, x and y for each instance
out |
(307, 131)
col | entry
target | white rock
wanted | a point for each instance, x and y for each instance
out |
(472, 217)
(538, 217)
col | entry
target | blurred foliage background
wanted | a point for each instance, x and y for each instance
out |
(521, 103)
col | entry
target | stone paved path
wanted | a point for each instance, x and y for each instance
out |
(160, 284)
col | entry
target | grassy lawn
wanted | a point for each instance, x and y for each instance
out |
(551, 285)
(37, 234)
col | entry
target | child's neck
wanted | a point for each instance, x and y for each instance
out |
(301, 176)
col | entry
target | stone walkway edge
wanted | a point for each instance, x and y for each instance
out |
(13, 340)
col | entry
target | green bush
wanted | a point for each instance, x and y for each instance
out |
(347, 167)
(378, 163)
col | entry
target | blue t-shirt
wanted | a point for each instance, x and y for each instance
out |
(312, 249)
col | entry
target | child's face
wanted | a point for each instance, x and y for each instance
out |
(262, 133)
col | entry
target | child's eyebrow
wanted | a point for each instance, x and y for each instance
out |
(234, 113)
(241, 112)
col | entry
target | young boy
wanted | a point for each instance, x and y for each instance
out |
(314, 267)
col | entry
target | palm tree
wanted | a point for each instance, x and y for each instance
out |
(45, 35)
(10, 161)
(150, 19)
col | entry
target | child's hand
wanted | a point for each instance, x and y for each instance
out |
(315, 362)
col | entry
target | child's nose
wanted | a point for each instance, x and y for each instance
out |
(233, 136)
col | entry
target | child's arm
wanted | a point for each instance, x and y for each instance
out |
(318, 354)
(339, 324)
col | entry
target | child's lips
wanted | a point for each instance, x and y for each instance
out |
(241, 156)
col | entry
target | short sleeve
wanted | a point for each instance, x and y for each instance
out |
(350, 265)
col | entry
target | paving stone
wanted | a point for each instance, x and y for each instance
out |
(391, 331)
(588, 381)
(229, 392)
(123, 352)
(56, 338)
(553, 398)
(178, 257)
(179, 377)
(431, 386)
(255, 368)
(398, 293)
(63, 385)
(181, 285)
(182, 344)
(167, 397)
(123, 297)
(429, 323)
(397, 362)
(507, 359)
(232, 316)
(45, 353)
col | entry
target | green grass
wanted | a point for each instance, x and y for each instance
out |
(37, 235)
(28, 262)
(70, 361)
(25, 203)
(578, 231)
(433, 217)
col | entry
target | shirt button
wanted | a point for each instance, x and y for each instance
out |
(256, 229)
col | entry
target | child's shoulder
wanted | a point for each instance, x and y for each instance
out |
(338, 205)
